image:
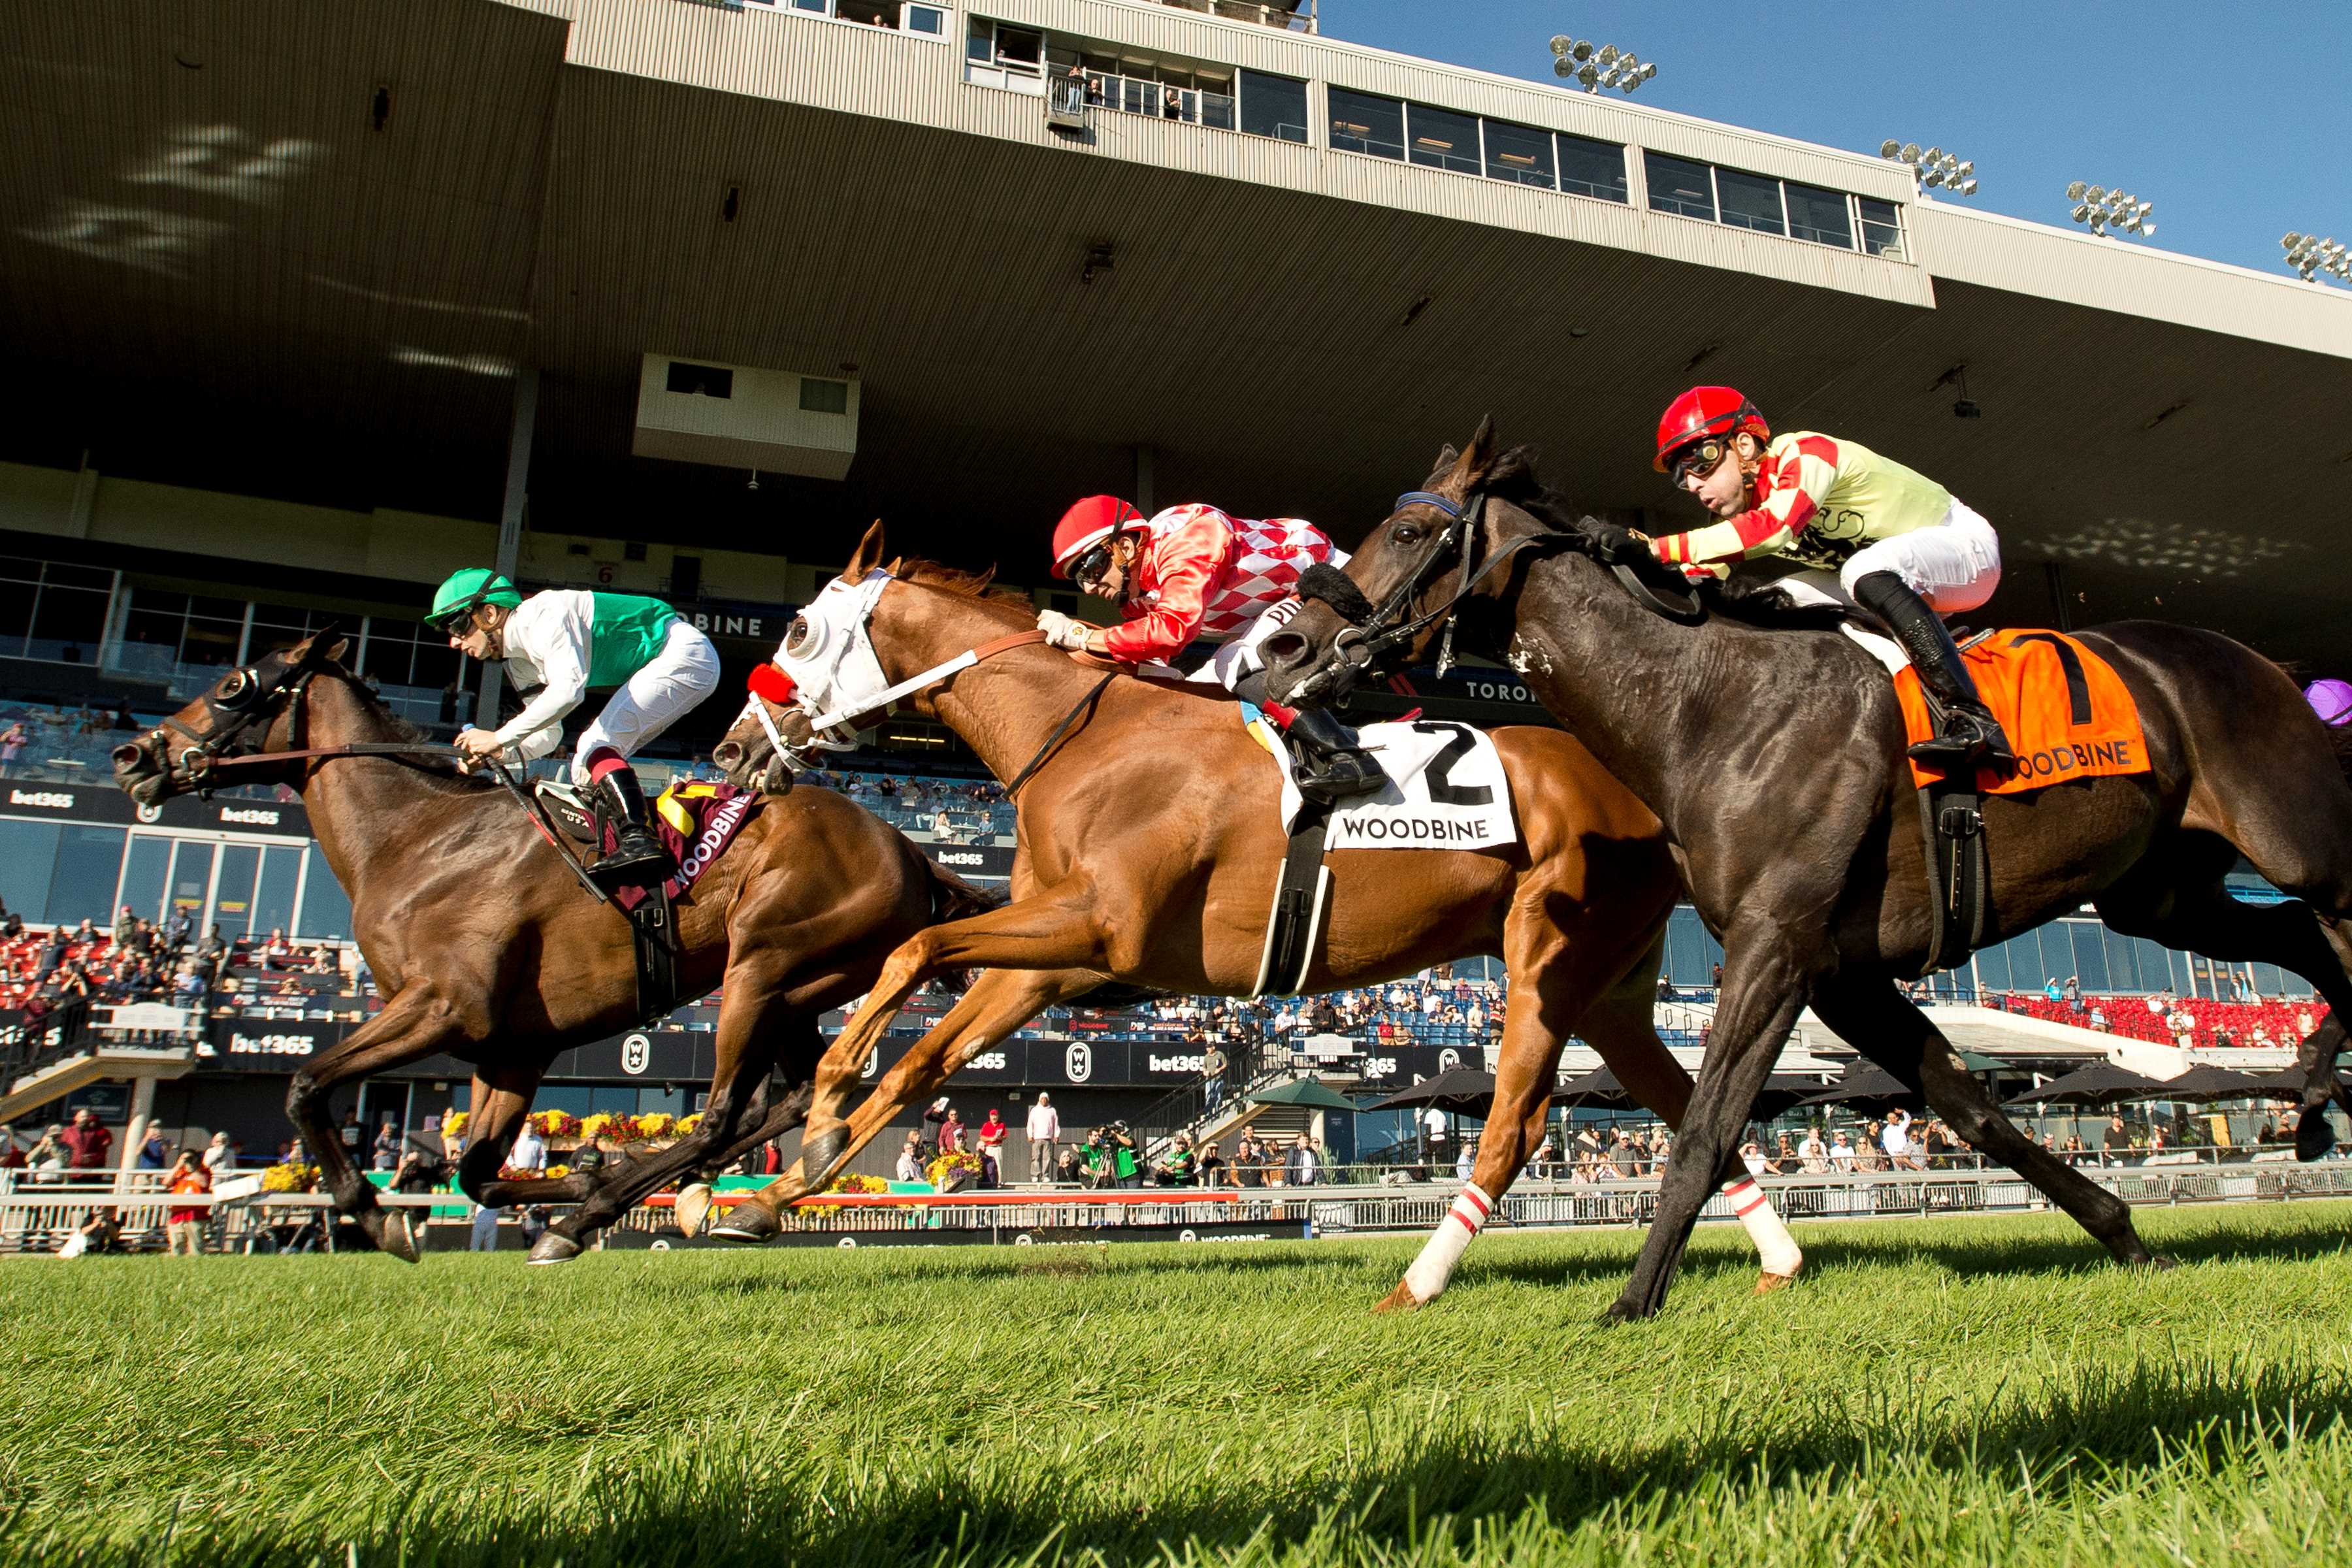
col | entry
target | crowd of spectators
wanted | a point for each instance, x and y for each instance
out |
(2163, 1017)
(950, 810)
(140, 960)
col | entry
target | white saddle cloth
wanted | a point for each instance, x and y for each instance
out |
(1445, 790)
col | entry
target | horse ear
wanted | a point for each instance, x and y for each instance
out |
(868, 556)
(1470, 466)
(324, 645)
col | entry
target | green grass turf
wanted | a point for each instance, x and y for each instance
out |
(1980, 1391)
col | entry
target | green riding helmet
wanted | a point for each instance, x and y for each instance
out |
(454, 600)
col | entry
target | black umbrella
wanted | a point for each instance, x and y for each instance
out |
(2101, 1083)
(1466, 1091)
(2200, 1085)
(1870, 1086)
(1597, 1090)
(1782, 1092)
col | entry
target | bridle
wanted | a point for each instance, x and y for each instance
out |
(1374, 635)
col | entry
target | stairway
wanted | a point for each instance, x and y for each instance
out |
(55, 1080)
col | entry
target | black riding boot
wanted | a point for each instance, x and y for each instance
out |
(1967, 734)
(1325, 764)
(638, 860)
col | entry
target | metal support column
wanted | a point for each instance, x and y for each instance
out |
(510, 520)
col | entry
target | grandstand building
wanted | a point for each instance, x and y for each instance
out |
(316, 303)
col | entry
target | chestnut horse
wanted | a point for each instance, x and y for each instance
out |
(1150, 846)
(1773, 749)
(487, 948)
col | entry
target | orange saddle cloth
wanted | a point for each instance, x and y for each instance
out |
(2067, 713)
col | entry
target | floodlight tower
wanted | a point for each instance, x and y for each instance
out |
(1595, 66)
(2308, 253)
(2100, 210)
(1933, 167)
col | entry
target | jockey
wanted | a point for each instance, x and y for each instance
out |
(1193, 574)
(560, 646)
(1901, 545)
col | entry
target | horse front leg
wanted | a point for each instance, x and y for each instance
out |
(1763, 992)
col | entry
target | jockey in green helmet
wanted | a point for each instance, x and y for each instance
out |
(558, 647)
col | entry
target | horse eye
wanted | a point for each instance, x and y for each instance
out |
(796, 635)
(1406, 534)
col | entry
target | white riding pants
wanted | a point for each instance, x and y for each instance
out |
(1233, 661)
(681, 675)
(1955, 565)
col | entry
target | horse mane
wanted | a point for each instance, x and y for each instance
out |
(956, 580)
(440, 771)
(1512, 476)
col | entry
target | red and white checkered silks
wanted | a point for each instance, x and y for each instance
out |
(1207, 576)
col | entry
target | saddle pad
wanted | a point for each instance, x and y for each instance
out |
(2067, 713)
(1446, 789)
(697, 823)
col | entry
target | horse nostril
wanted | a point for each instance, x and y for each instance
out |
(128, 756)
(727, 755)
(1282, 648)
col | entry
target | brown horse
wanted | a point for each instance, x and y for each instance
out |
(487, 949)
(1772, 749)
(1149, 843)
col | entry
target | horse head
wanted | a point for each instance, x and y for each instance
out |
(254, 708)
(1433, 557)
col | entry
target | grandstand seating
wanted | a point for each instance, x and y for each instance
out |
(2129, 1016)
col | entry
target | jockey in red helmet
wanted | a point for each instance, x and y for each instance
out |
(1194, 574)
(1901, 545)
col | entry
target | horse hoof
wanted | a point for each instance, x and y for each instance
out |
(2162, 1264)
(1766, 1282)
(749, 1221)
(1623, 1310)
(693, 1207)
(1400, 1299)
(554, 1249)
(390, 1231)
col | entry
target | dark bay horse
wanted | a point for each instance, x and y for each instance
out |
(1772, 750)
(1150, 842)
(486, 948)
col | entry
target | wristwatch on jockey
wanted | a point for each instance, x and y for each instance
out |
(1327, 765)
(1708, 425)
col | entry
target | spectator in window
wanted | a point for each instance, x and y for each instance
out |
(183, 1228)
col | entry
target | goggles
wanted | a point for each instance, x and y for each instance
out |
(1698, 459)
(1091, 568)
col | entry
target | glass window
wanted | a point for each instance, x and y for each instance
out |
(1820, 216)
(980, 44)
(325, 910)
(233, 897)
(1881, 229)
(68, 625)
(1217, 110)
(1992, 968)
(28, 854)
(2090, 955)
(1018, 48)
(143, 874)
(926, 19)
(90, 863)
(822, 396)
(1364, 123)
(1750, 201)
(1272, 106)
(1444, 139)
(1514, 153)
(273, 899)
(192, 880)
(16, 599)
(1679, 185)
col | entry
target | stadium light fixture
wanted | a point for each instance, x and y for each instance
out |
(1596, 66)
(2102, 210)
(2309, 254)
(1933, 167)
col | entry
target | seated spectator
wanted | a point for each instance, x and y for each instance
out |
(1180, 1167)
(277, 952)
(322, 961)
(1841, 1154)
(910, 1159)
(1214, 1172)
(291, 988)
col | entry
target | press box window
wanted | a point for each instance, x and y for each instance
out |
(703, 380)
(1517, 153)
(1750, 201)
(1364, 123)
(823, 396)
(1590, 168)
(1444, 139)
(1679, 185)
(1881, 229)
(1820, 216)
(1274, 106)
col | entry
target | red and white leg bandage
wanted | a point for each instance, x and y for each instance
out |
(1431, 1270)
(1775, 1247)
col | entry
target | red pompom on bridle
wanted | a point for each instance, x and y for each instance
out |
(772, 685)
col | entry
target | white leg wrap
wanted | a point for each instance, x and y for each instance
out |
(1434, 1267)
(1774, 1246)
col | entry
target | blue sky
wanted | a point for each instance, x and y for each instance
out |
(2232, 156)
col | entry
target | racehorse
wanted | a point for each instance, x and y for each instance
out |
(487, 949)
(1772, 748)
(1149, 843)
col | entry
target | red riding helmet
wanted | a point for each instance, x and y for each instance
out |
(1706, 411)
(1090, 523)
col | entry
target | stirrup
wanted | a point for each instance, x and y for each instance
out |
(638, 861)
(1967, 736)
(1326, 780)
